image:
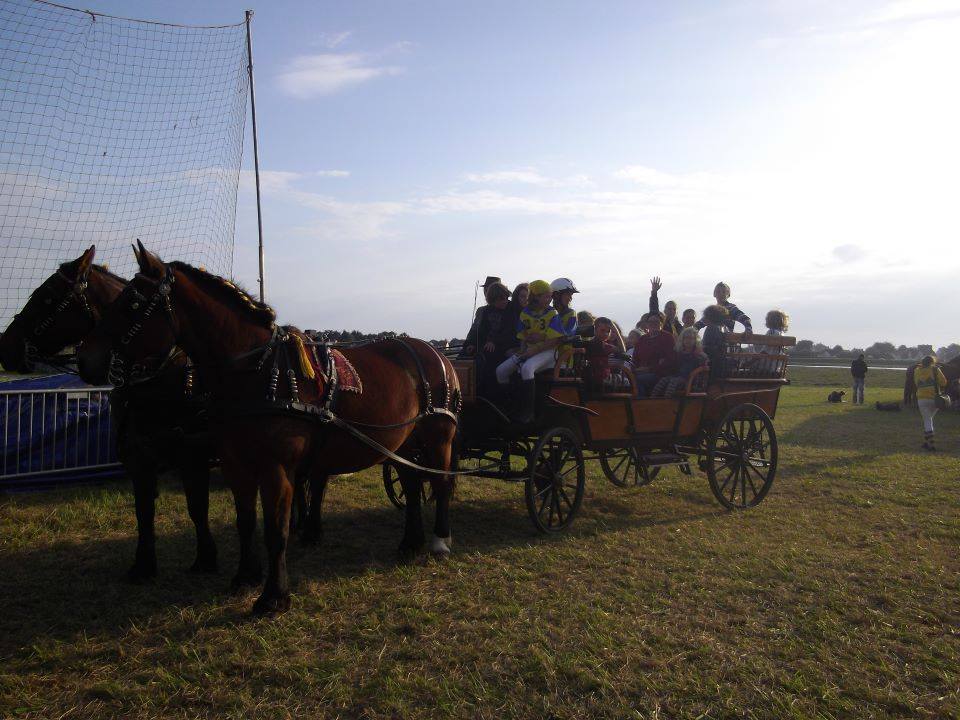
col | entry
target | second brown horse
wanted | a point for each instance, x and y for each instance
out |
(263, 441)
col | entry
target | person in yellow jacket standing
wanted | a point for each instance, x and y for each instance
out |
(930, 382)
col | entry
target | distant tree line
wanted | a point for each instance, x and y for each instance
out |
(351, 335)
(877, 351)
(348, 336)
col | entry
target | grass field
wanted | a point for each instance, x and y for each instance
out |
(838, 597)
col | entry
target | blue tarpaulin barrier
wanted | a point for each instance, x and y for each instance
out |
(54, 429)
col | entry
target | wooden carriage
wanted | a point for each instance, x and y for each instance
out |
(721, 423)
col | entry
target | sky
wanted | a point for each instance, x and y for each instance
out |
(804, 152)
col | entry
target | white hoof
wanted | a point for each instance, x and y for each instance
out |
(440, 547)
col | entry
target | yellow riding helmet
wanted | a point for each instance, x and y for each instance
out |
(539, 287)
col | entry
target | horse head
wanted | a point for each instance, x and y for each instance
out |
(135, 329)
(59, 313)
(165, 307)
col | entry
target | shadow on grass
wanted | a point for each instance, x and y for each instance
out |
(54, 592)
(847, 428)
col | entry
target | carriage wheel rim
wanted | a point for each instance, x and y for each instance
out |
(742, 457)
(553, 496)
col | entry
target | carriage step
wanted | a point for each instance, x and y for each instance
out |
(654, 459)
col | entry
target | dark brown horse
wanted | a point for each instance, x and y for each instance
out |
(157, 425)
(950, 369)
(262, 392)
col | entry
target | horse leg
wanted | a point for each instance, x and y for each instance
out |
(442, 539)
(313, 525)
(144, 477)
(276, 495)
(298, 513)
(413, 538)
(249, 572)
(439, 455)
(195, 475)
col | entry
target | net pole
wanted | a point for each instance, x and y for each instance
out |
(256, 154)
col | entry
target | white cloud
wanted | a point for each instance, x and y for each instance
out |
(646, 176)
(332, 173)
(915, 10)
(309, 76)
(525, 176)
(332, 41)
(849, 252)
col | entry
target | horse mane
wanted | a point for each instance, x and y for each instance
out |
(229, 291)
(102, 269)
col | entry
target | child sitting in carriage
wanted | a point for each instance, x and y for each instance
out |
(605, 356)
(690, 356)
(714, 339)
(777, 324)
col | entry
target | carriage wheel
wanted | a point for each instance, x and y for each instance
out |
(554, 486)
(623, 469)
(391, 483)
(742, 457)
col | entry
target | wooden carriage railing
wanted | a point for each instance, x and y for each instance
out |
(754, 357)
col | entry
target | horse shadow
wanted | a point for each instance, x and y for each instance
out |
(56, 591)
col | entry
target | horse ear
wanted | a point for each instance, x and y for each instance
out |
(84, 262)
(149, 263)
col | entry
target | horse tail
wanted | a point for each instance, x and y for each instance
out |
(909, 387)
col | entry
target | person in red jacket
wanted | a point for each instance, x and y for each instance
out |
(653, 355)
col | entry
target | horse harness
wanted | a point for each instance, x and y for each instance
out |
(285, 342)
(278, 348)
(118, 374)
(76, 293)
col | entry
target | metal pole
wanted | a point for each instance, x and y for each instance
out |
(256, 152)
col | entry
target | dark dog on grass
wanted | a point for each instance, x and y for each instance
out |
(889, 406)
(836, 396)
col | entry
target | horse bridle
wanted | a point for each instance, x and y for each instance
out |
(77, 292)
(117, 373)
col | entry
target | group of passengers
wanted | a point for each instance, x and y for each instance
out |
(534, 328)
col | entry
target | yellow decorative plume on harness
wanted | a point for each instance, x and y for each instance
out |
(306, 367)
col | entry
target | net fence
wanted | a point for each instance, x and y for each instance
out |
(114, 129)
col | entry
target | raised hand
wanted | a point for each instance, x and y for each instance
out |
(655, 283)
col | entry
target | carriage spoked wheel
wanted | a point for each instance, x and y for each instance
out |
(391, 483)
(741, 457)
(624, 469)
(555, 480)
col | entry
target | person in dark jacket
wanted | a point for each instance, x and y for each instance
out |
(670, 322)
(858, 368)
(714, 342)
(734, 314)
(471, 343)
(496, 333)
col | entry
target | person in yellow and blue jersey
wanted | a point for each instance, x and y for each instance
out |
(566, 320)
(539, 336)
(930, 382)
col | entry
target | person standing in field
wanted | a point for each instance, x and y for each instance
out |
(858, 368)
(930, 382)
